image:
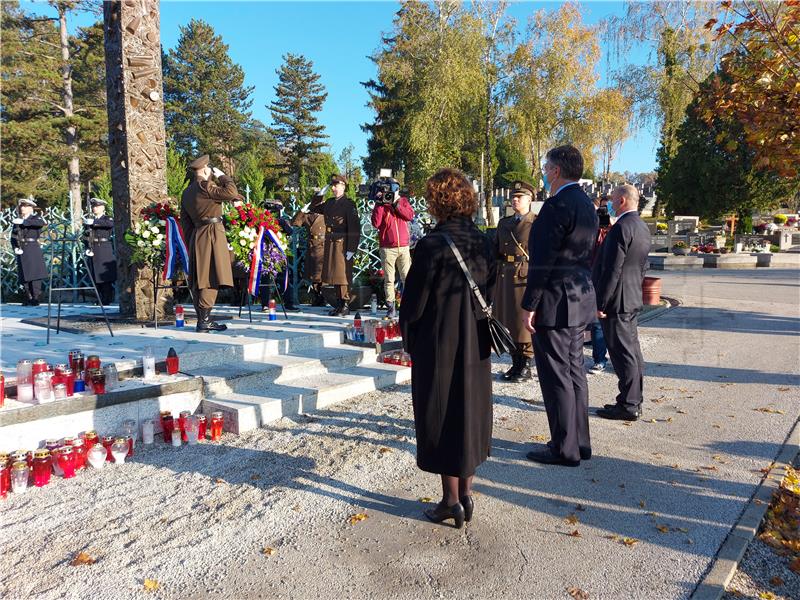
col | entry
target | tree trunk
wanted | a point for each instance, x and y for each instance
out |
(71, 137)
(488, 182)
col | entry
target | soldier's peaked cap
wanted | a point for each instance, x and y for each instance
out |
(338, 179)
(27, 202)
(199, 163)
(97, 201)
(522, 188)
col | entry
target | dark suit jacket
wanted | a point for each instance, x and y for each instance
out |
(560, 245)
(621, 265)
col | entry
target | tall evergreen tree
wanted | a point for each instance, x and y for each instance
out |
(299, 96)
(251, 177)
(206, 104)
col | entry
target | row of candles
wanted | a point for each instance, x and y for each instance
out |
(396, 357)
(70, 455)
(40, 382)
(372, 330)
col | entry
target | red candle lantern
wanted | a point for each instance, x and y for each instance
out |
(90, 439)
(129, 440)
(172, 362)
(80, 454)
(73, 354)
(42, 467)
(65, 457)
(168, 426)
(69, 380)
(51, 445)
(5, 479)
(98, 380)
(108, 441)
(2, 390)
(201, 427)
(93, 361)
(68, 441)
(182, 424)
(216, 426)
(39, 366)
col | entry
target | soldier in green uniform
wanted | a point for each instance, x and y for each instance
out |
(511, 245)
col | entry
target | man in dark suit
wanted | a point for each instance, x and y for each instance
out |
(617, 275)
(559, 303)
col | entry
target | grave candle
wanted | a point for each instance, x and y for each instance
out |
(80, 454)
(39, 366)
(172, 362)
(5, 479)
(25, 392)
(108, 441)
(182, 424)
(119, 450)
(90, 440)
(2, 390)
(65, 457)
(216, 426)
(97, 457)
(24, 372)
(19, 477)
(42, 467)
(148, 428)
(168, 425)
(201, 427)
(112, 376)
(98, 381)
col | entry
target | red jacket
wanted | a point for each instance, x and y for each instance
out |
(391, 221)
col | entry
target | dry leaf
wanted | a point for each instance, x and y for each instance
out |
(426, 499)
(578, 593)
(652, 514)
(384, 450)
(663, 528)
(580, 507)
(715, 426)
(681, 529)
(356, 518)
(595, 481)
(689, 541)
(668, 419)
(539, 438)
(676, 466)
(82, 558)
(652, 421)
(255, 477)
(151, 585)
(795, 565)
(269, 551)
(219, 480)
(622, 485)
(628, 541)
(658, 454)
(572, 519)
(613, 536)
(574, 533)
(776, 581)
(627, 424)
(769, 410)
(680, 411)
(784, 389)
(758, 502)
(709, 468)
(642, 504)
(766, 595)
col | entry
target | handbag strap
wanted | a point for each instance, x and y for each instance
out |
(473, 286)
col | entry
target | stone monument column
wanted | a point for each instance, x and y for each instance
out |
(136, 136)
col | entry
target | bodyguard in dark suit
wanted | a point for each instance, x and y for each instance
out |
(559, 302)
(97, 232)
(618, 274)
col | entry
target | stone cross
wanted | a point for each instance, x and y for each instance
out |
(136, 136)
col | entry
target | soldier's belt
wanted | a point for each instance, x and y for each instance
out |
(317, 237)
(101, 240)
(30, 239)
(512, 258)
(211, 220)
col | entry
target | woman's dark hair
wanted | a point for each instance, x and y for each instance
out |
(450, 194)
(568, 159)
(602, 216)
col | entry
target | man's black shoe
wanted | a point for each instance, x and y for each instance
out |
(291, 308)
(337, 310)
(617, 414)
(345, 310)
(548, 458)
(512, 373)
(586, 453)
(613, 406)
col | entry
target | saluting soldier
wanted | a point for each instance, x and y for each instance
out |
(97, 238)
(342, 234)
(511, 244)
(315, 250)
(201, 220)
(25, 232)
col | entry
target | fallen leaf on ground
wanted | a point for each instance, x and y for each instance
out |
(572, 519)
(269, 551)
(627, 424)
(151, 585)
(680, 411)
(668, 419)
(628, 541)
(715, 426)
(652, 514)
(663, 528)
(613, 536)
(255, 477)
(219, 480)
(83, 558)
(622, 485)
(658, 454)
(795, 565)
(769, 410)
(595, 481)
(358, 517)
(580, 507)
(776, 581)
(766, 595)
(642, 503)
(689, 541)
(426, 499)
(709, 468)
(784, 389)
(681, 529)
(758, 502)
(652, 421)
(384, 450)
(676, 466)
(574, 533)
(578, 593)
(539, 438)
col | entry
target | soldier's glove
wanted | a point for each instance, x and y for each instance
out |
(17, 221)
(348, 255)
(88, 221)
(18, 250)
(89, 252)
(217, 172)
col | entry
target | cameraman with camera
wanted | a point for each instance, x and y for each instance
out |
(391, 217)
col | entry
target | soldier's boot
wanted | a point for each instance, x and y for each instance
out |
(204, 322)
(524, 373)
(345, 310)
(514, 370)
(337, 310)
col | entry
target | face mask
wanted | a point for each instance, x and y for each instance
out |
(611, 211)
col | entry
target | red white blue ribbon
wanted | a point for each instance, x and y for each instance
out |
(175, 250)
(276, 240)
(256, 261)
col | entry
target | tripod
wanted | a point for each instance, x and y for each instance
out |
(269, 285)
(174, 286)
(63, 240)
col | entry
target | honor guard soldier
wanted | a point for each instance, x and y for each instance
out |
(97, 238)
(25, 232)
(315, 250)
(201, 220)
(342, 234)
(511, 244)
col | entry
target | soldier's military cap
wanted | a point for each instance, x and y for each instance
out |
(97, 202)
(27, 202)
(522, 188)
(199, 163)
(338, 179)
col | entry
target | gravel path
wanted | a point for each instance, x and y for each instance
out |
(642, 519)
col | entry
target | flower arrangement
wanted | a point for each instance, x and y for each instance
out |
(147, 236)
(780, 219)
(661, 227)
(679, 244)
(242, 224)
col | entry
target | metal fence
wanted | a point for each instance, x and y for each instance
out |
(73, 273)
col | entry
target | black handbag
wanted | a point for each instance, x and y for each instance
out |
(502, 342)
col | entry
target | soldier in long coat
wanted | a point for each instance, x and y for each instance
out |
(31, 269)
(315, 250)
(511, 247)
(342, 234)
(97, 238)
(201, 220)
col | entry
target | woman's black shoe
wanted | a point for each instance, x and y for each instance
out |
(442, 513)
(469, 506)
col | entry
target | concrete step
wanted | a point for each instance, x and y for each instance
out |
(234, 377)
(254, 404)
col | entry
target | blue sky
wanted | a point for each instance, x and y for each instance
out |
(337, 37)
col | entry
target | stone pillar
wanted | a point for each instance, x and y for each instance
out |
(136, 136)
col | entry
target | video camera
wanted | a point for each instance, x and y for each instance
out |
(385, 189)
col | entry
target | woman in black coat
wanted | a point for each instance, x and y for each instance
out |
(448, 339)
(31, 269)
